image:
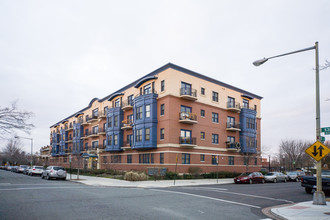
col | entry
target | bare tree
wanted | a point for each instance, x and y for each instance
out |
(14, 154)
(325, 66)
(292, 154)
(11, 118)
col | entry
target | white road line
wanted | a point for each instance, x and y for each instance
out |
(242, 194)
(206, 197)
(39, 188)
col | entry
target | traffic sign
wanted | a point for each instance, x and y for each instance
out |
(317, 150)
(326, 129)
(327, 133)
(322, 139)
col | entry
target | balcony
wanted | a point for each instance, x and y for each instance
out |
(102, 131)
(127, 105)
(127, 145)
(102, 115)
(93, 134)
(187, 141)
(232, 146)
(127, 124)
(187, 118)
(232, 126)
(84, 122)
(234, 107)
(189, 94)
(92, 119)
(70, 128)
(69, 140)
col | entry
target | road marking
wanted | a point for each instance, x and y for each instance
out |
(4, 183)
(206, 197)
(242, 194)
(38, 188)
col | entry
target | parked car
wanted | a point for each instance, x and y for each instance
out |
(14, 169)
(293, 176)
(35, 170)
(250, 177)
(54, 172)
(26, 170)
(275, 177)
(21, 168)
(309, 182)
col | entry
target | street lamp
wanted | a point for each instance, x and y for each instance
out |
(318, 197)
(31, 139)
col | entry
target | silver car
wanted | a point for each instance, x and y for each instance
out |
(54, 172)
(35, 170)
(275, 177)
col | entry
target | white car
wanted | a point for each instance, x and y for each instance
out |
(35, 170)
(275, 177)
(54, 172)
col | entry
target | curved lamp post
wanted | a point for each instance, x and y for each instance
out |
(31, 139)
(318, 197)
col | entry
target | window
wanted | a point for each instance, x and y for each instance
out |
(186, 109)
(147, 89)
(185, 89)
(115, 121)
(138, 135)
(202, 135)
(147, 111)
(215, 139)
(86, 132)
(109, 122)
(95, 144)
(185, 158)
(230, 160)
(162, 86)
(202, 91)
(105, 109)
(147, 134)
(130, 100)
(214, 159)
(110, 140)
(95, 130)
(231, 102)
(245, 103)
(250, 142)
(129, 139)
(202, 113)
(146, 158)
(139, 113)
(162, 133)
(116, 159)
(95, 113)
(230, 122)
(162, 109)
(215, 96)
(230, 140)
(255, 107)
(115, 139)
(255, 161)
(104, 142)
(104, 159)
(202, 157)
(161, 158)
(215, 117)
(250, 123)
(129, 158)
(117, 102)
(86, 146)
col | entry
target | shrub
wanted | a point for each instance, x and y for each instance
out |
(195, 171)
(187, 176)
(171, 175)
(134, 176)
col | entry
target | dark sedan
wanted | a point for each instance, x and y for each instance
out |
(250, 177)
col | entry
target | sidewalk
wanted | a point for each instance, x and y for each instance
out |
(101, 181)
(298, 211)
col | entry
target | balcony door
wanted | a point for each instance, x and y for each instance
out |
(185, 136)
(185, 88)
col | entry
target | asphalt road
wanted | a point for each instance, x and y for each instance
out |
(25, 197)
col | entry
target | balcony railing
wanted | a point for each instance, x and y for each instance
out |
(187, 141)
(234, 106)
(232, 146)
(189, 94)
(232, 126)
(93, 118)
(127, 124)
(188, 117)
(102, 115)
(146, 93)
(127, 105)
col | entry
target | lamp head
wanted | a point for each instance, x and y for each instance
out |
(259, 62)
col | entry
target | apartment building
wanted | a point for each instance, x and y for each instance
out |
(171, 118)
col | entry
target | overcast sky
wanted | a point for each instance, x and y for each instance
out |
(56, 56)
